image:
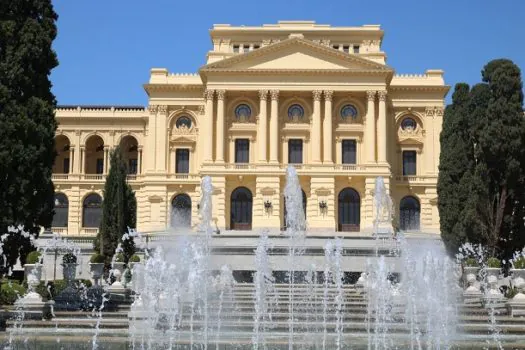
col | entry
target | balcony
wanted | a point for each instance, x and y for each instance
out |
(416, 180)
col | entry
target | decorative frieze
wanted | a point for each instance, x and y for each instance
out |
(434, 111)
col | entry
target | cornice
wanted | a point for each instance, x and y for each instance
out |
(173, 87)
(442, 88)
(300, 71)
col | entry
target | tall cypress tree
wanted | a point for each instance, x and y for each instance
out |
(501, 152)
(118, 210)
(454, 160)
(27, 120)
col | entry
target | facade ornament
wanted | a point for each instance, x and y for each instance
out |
(370, 95)
(328, 95)
(153, 109)
(208, 94)
(325, 42)
(382, 95)
(317, 95)
(221, 94)
(201, 110)
(163, 109)
(274, 94)
(434, 111)
(266, 42)
(263, 95)
(77, 132)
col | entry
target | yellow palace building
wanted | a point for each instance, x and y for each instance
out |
(318, 97)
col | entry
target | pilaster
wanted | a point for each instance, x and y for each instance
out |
(327, 128)
(315, 130)
(370, 130)
(150, 164)
(219, 156)
(381, 128)
(274, 127)
(219, 202)
(208, 130)
(161, 139)
(262, 132)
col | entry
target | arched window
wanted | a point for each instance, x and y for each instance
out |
(94, 155)
(130, 154)
(61, 210)
(62, 163)
(409, 212)
(241, 209)
(92, 211)
(285, 212)
(349, 210)
(181, 211)
(408, 124)
(349, 112)
(295, 112)
(243, 112)
(183, 122)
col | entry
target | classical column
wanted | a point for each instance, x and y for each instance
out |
(219, 155)
(139, 160)
(370, 137)
(161, 139)
(71, 159)
(381, 128)
(274, 127)
(327, 128)
(208, 139)
(315, 132)
(106, 160)
(262, 134)
(81, 160)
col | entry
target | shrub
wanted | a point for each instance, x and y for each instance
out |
(519, 263)
(471, 262)
(97, 259)
(69, 258)
(134, 258)
(33, 257)
(494, 263)
(10, 291)
(119, 257)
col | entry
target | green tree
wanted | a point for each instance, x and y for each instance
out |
(456, 151)
(500, 153)
(482, 163)
(118, 210)
(27, 121)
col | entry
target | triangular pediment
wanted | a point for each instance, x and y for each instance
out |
(410, 141)
(296, 54)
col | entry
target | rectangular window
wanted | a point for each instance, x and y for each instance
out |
(349, 151)
(132, 166)
(295, 151)
(242, 151)
(100, 165)
(182, 161)
(246, 48)
(335, 47)
(356, 48)
(236, 48)
(255, 47)
(66, 166)
(409, 163)
(346, 48)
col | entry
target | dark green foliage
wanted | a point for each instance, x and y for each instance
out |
(10, 291)
(118, 211)
(33, 257)
(494, 263)
(471, 262)
(134, 258)
(519, 263)
(69, 258)
(481, 183)
(27, 121)
(120, 258)
(49, 290)
(97, 259)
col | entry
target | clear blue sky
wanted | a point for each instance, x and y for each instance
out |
(107, 47)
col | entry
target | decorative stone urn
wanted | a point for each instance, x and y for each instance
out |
(32, 303)
(96, 270)
(516, 305)
(470, 275)
(69, 271)
(117, 271)
(493, 291)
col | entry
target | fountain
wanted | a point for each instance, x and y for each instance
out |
(406, 297)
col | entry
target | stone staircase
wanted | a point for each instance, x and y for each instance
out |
(312, 326)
